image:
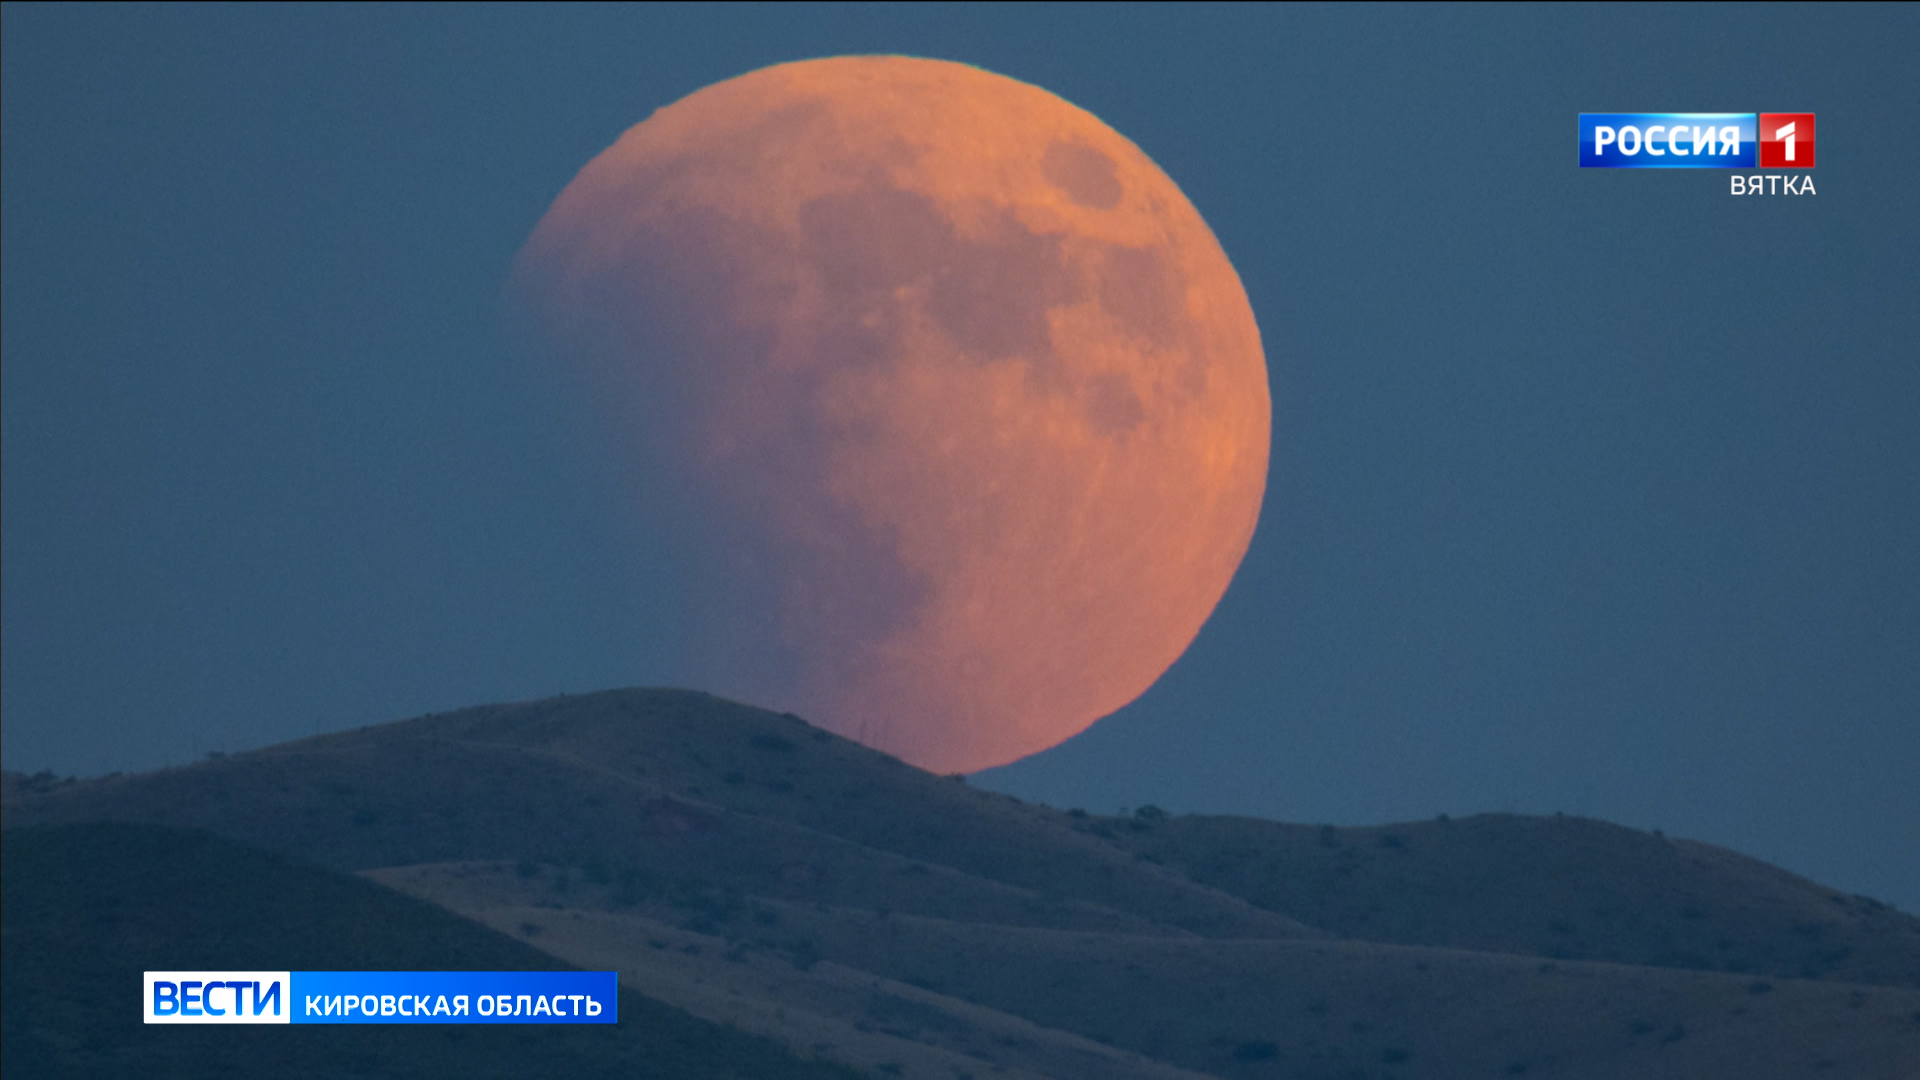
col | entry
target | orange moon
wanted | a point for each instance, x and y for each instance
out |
(957, 402)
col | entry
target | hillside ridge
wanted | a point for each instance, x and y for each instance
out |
(762, 873)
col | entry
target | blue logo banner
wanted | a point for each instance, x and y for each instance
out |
(1667, 140)
(454, 997)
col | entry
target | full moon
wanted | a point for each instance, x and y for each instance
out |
(953, 403)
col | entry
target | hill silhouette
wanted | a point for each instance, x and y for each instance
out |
(1559, 887)
(756, 871)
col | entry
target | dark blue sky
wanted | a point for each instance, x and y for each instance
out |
(1592, 490)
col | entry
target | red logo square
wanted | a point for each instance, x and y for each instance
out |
(1786, 140)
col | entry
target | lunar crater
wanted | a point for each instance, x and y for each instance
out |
(1086, 175)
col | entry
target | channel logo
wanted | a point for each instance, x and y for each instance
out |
(218, 997)
(1668, 140)
(381, 997)
(1786, 140)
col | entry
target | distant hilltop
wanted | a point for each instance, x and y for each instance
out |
(755, 871)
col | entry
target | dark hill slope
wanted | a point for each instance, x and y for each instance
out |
(1268, 1009)
(88, 907)
(663, 791)
(1562, 887)
(757, 872)
(667, 788)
